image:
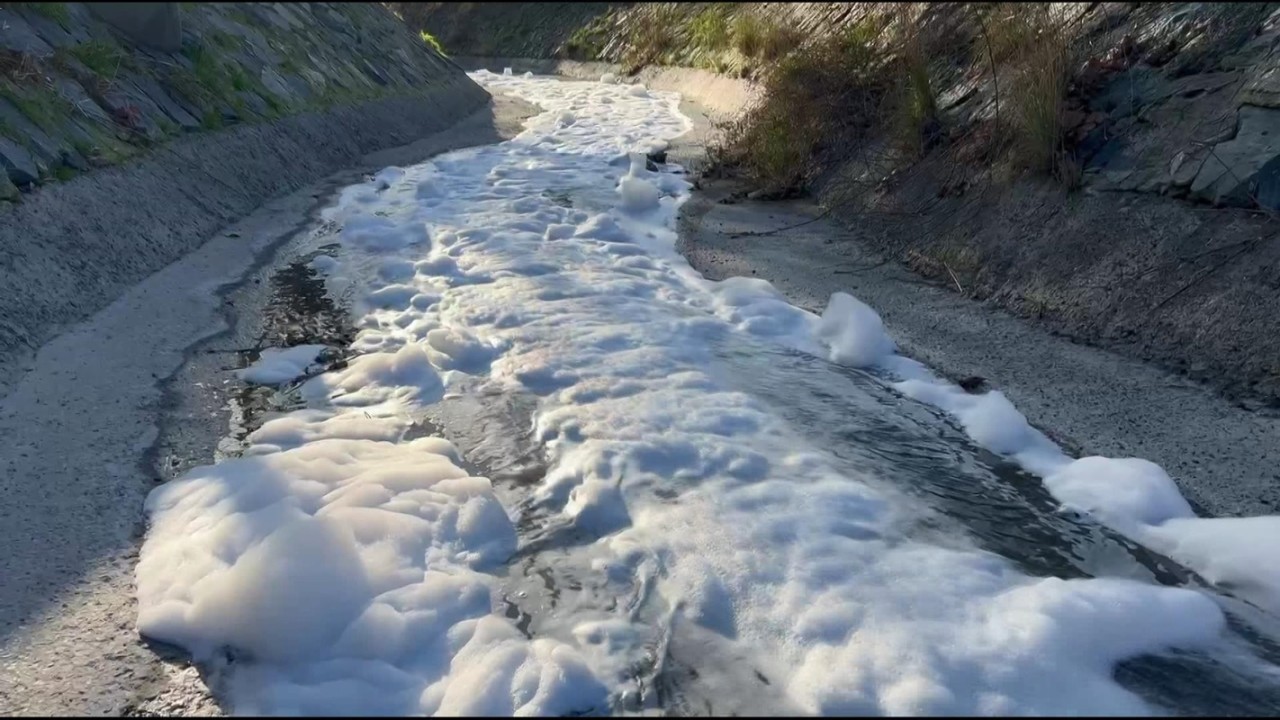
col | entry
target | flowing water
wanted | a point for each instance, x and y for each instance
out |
(690, 508)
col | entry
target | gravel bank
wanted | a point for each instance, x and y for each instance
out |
(80, 453)
(1092, 401)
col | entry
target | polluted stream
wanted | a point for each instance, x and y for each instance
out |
(699, 498)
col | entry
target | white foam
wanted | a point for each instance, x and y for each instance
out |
(1236, 553)
(324, 264)
(1119, 490)
(854, 332)
(280, 365)
(1131, 495)
(355, 567)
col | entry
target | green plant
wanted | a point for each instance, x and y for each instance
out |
(915, 112)
(41, 105)
(762, 40)
(63, 173)
(212, 120)
(82, 146)
(207, 70)
(650, 38)
(709, 29)
(239, 80)
(748, 34)
(431, 42)
(102, 57)
(55, 11)
(167, 126)
(227, 41)
(189, 86)
(587, 41)
(829, 92)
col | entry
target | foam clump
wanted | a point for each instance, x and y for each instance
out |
(406, 375)
(637, 193)
(854, 332)
(355, 553)
(280, 365)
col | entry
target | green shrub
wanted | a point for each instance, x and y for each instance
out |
(651, 36)
(748, 34)
(915, 108)
(55, 11)
(102, 57)
(212, 120)
(709, 29)
(830, 91)
(761, 40)
(430, 41)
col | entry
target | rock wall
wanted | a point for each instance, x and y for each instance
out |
(137, 172)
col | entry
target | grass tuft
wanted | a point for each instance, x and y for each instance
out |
(828, 91)
(104, 58)
(430, 41)
(1039, 48)
(710, 30)
(55, 11)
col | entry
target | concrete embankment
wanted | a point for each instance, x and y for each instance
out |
(129, 133)
(71, 248)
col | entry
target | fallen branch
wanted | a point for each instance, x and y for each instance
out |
(953, 278)
(754, 233)
(1206, 273)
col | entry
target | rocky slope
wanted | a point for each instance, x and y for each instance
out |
(82, 87)
(1159, 240)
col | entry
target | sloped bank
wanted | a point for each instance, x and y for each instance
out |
(71, 248)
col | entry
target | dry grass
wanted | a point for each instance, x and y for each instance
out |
(827, 94)
(914, 117)
(1036, 44)
(651, 36)
(760, 40)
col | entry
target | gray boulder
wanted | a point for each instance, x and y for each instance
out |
(1229, 174)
